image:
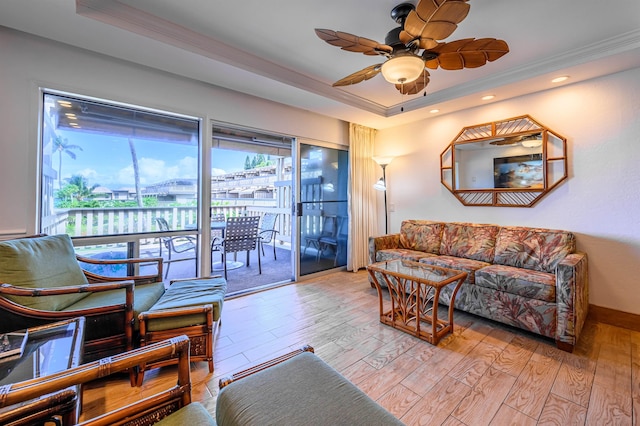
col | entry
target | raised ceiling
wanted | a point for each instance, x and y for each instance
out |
(270, 50)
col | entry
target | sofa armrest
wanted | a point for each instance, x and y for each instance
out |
(383, 242)
(572, 297)
(138, 279)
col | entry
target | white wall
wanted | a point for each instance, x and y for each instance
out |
(600, 202)
(28, 62)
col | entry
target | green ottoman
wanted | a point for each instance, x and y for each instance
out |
(302, 390)
(192, 307)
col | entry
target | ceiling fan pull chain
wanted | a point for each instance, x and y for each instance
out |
(401, 96)
(424, 82)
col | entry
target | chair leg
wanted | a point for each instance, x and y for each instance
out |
(224, 263)
(274, 249)
(259, 264)
(166, 274)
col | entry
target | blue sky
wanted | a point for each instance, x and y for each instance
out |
(106, 160)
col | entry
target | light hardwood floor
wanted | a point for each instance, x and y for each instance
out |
(482, 374)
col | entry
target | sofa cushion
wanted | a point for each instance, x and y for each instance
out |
(522, 282)
(41, 262)
(421, 235)
(471, 241)
(406, 254)
(533, 248)
(469, 266)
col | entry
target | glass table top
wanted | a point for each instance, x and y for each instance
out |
(49, 349)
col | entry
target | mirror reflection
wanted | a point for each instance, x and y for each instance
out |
(507, 163)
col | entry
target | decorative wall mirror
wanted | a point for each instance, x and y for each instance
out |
(509, 163)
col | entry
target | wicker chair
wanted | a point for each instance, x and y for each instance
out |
(43, 282)
(172, 406)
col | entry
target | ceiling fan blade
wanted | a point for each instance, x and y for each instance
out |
(467, 53)
(353, 43)
(434, 20)
(358, 76)
(415, 86)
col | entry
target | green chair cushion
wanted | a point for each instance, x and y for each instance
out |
(144, 296)
(41, 262)
(193, 414)
(196, 292)
(300, 391)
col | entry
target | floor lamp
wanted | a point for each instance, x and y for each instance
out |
(381, 185)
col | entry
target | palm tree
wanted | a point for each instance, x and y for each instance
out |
(61, 146)
(136, 171)
(81, 183)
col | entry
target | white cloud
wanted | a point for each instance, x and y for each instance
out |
(89, 174)
(153, 171)
(216, 172)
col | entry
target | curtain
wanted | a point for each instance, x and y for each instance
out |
(363, 217)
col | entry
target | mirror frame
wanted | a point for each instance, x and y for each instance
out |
(507, 197)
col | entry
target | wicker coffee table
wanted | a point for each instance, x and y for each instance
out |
(414, 290)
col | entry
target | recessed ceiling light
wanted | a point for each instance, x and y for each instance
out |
(560, 79)
(66, 104)
(488, 97)
(433, 111)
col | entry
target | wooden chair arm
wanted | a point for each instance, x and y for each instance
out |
(225, 381)
(163, 403)
(40, 411)
(175, 312)
(138, 279)
(82, 288)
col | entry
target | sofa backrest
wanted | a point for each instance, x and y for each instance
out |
(421, 235)
(41, 262)
(533, 248)
(469, 240)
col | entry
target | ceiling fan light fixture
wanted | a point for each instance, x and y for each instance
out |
(534, 142)
(403, 68)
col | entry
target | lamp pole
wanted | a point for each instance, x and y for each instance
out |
(386, 215)
(383, 162)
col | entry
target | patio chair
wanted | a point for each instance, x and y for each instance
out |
(338, 242)
(240, 234)
(178, 244)
(327, 230)
(268, 232)
(217, 218)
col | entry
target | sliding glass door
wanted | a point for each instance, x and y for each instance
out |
(322, 208)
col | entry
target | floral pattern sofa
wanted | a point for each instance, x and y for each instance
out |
(530, 278)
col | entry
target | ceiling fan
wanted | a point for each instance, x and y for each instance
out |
(530, 141)
(414, 46)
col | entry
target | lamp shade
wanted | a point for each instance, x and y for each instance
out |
(403, 68)
(380, 185)
(383, 161)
